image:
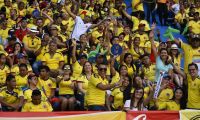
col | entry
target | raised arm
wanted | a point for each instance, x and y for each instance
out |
(153, 46)
(67, 8)
(95, 25)
(74, 51)
(126, 14)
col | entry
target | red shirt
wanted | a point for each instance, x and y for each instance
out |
(21, 33)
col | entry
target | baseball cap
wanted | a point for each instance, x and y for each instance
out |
(165, 76)
(174, 47)
(34, 29)
(83, 56)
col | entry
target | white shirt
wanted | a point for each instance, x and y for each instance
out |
(79, 28)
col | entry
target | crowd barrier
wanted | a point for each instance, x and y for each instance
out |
(118, 115)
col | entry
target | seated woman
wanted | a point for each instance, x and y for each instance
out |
(66, 89)
(137, 101)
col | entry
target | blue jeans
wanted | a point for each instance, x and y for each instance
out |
(96, 108)
(36, 65)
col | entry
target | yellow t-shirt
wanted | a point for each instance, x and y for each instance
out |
(177, 60)
(77, 69)
(118, 98)
(28, 94)
(11, 97)
(3, 74)
(136, 22)
(32, 43)
(48, 85)
(42, 107)
(190, 55)
(115, 78)
(131, 70)
(150, 72)
(165, 95)
(4, 33)
(195, 26)
(170, 105)
(193, 92)
(64, 87)
(96, 96)
(136, 55)
(15, 69)
(83, 79)
(21, 81)
(53, 62)
(179, 17)
(43, 51)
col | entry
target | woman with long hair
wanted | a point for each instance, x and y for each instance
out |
(127, 60)
(82, 83)
(17, 49)
(137, 101)
(176, 59)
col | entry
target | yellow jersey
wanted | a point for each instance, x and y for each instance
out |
(150, 72)
(53, 61)
(48, 85)
(118, 98)
(28, 94)
(65, 87)
(42, 107)
(15, 69)
(170, 105)
(3, 74)
(11, 97)
(165, 95)
(96, 96)
(195, 26)
(193, 93)
(190, 55)
(21, 81)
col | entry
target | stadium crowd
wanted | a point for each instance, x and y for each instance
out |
(66, 55)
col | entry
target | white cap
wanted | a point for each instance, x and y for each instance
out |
(33, 29)
(174, 46)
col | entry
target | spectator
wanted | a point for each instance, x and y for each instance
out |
(66, 89)
(37, 105)
(11, 98)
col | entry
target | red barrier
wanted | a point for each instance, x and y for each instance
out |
(152, 115)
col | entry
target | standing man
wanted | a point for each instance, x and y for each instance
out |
(193, 83)
(162, 11)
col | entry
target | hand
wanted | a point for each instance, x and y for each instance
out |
(15, 106)
(169, 60)
(73, 42)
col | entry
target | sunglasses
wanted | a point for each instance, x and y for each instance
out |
(102, 69)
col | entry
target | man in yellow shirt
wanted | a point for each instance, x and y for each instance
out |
(191, 52)
(194, 25)
(97, 86)
(11, 98)
(37, 105)
(193, 81)
(54, 60)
